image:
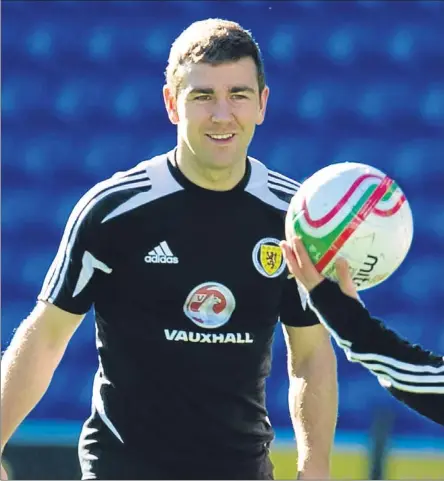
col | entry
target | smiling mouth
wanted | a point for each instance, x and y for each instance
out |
(220, 137)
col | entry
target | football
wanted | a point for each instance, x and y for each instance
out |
(355, 211)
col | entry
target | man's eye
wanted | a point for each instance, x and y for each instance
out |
(202, 97)
(239, 96)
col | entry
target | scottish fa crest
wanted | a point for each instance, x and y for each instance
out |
(267, 257)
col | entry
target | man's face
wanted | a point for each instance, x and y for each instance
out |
(215, 101)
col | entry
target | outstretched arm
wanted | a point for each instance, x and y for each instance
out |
(410, 373)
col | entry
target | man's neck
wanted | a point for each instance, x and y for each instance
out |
(212, 179)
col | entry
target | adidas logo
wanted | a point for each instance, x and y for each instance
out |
(161, 254)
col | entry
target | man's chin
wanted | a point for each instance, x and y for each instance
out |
(218, 159)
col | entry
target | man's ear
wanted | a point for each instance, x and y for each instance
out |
(263, 105)
(170, 104)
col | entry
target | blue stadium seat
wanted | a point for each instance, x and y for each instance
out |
(432, 104)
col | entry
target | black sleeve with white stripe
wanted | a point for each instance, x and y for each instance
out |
(412, 374)
(282, 186)
(293, 311)
(79, 264)
(71, 279)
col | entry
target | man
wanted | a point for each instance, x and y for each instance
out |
(411, 374)
(180, 258)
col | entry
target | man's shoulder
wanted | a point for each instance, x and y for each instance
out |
(148, 167)
(268, 183)
(127, 190)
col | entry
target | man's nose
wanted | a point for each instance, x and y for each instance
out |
(222, 112)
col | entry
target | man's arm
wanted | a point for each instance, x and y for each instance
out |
(67, 294)
(410, 373)
(313, 397)
(30, 361)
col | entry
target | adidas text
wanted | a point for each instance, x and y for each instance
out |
(156, 259)
(222, 338)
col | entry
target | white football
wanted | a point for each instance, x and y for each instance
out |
(356, 211)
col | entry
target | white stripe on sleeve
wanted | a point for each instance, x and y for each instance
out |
(54, 279)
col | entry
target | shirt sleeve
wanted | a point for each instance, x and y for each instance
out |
(72, 279)
(409, 372)
(294, 310)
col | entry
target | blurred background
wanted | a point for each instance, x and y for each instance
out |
(350, 81)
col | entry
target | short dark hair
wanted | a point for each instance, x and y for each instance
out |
(214, 41)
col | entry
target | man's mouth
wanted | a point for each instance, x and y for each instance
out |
(220, 137)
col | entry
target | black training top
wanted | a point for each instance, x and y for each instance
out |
(187, 285)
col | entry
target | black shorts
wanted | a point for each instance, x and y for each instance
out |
(117, 466)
